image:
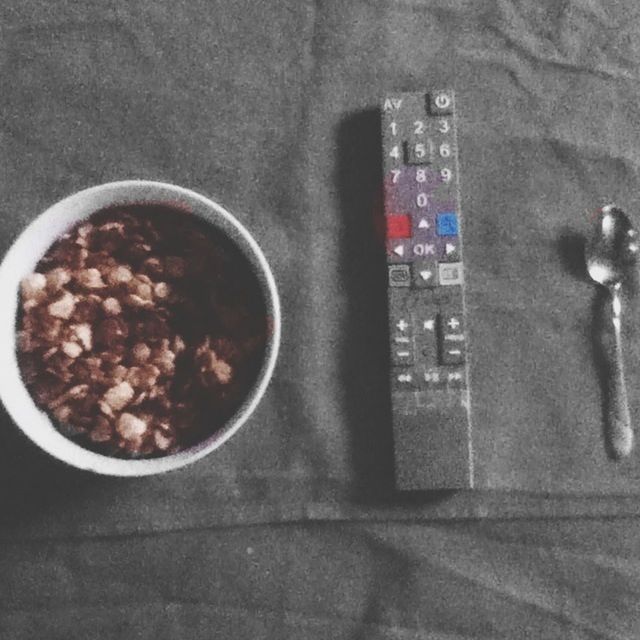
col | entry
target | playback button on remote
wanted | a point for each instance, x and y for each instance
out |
(404, 378)
(433, 378)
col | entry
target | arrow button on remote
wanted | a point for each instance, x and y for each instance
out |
(425, 274)
(450, 251)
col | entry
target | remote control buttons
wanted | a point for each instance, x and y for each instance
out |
(450, 251)
(447, 224)
(451, 339)
(452, 355)
(424, 250)
(426, 331)
(399, 275)
(404, 379)
(398, 226)
(450, 273)
(451, 323)
(422, 227)
(402, 354)
(456, 379)
(433, 379)
(425, 274)
(418, 151)
(427, 350)
(440, 103)
(398, 250)
(426, 323)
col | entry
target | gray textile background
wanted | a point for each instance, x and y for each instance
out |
(269, 108)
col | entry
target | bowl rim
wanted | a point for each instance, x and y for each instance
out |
(42, 232)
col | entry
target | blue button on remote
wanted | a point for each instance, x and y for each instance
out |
(447, 224)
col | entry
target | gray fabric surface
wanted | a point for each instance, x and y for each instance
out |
(276, 119)
(270, 109)
(546, 580)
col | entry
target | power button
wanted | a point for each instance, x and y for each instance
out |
(440, 103)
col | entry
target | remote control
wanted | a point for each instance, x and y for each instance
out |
(430, 397)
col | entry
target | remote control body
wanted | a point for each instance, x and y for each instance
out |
(430, 396)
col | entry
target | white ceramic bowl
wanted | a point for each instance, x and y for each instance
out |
(21, 260)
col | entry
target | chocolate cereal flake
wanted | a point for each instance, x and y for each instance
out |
(141, 331)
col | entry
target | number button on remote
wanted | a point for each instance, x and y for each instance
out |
(418, 152)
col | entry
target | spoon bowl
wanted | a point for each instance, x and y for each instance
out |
(613, 249)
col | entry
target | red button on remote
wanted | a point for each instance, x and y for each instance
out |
(398, 226)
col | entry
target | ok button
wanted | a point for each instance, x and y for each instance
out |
(424, 249)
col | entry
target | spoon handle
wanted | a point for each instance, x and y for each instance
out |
(620, 432)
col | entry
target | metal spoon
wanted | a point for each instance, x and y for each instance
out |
(610, 255)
